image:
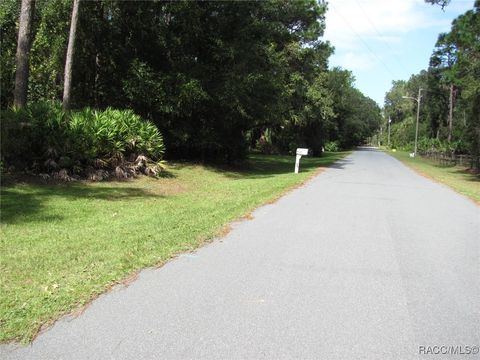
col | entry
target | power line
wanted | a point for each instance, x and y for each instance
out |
(364, 43)
(379, 34)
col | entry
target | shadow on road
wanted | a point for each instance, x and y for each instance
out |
(340, 164)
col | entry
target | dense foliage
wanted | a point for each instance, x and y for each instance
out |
(450, 86)
(216, 77)
(43, 138)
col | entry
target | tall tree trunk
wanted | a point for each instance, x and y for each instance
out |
(97, 83)
(67, 85)
(450, 114)
(22, 56)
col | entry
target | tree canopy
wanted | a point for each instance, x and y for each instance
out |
(216, 77)
(450, 86)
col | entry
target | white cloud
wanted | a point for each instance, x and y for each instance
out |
(356, 61)
(390, 39)
(385, 40)
(365, 33)
(349, 22)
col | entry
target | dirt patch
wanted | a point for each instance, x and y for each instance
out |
(165, 187)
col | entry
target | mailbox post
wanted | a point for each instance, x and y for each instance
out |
(300, 152)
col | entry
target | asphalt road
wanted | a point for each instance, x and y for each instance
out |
(367, 261)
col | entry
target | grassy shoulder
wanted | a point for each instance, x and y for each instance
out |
(458, 178)
(61, 245)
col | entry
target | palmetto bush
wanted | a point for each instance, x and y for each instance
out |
(332, 146)
(42, 136)
(113, 134)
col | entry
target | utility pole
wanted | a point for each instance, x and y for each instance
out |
(419, 99)
(389, 121)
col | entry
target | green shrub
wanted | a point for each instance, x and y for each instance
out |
(42, 136)
(28, 134)
(114, 134)
(332, 146)
(441, 146)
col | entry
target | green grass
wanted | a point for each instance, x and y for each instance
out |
(61, 245)
(456, 177)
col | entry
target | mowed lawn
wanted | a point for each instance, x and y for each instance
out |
(456, 177)
(61, 245)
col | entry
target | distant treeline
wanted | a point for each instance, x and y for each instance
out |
(450, 96)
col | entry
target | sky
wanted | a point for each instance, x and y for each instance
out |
(385, 40)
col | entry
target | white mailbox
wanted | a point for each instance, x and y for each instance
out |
(300, 152)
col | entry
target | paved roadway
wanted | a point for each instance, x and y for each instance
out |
(367, 261)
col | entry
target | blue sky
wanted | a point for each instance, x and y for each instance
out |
(385, 40)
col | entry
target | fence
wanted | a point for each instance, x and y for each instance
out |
(449, 159)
